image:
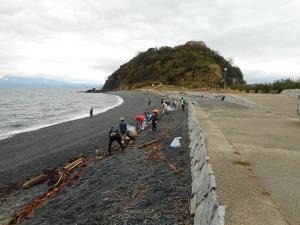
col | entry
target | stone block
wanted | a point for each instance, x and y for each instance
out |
(196, 156)
(202, 158)
(195, 184)
(219, 216)
(193, 206)
(205, 211)
(210, 170)
(212, 183)
(195, 143)
(202, 186)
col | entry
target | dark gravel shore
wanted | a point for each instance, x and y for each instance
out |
(125, 188)
(27, 154)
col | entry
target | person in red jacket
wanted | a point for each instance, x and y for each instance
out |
(139, 122)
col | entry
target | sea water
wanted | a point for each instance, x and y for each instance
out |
(23, 110)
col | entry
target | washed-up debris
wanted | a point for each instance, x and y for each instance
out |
(253, 176)
(116, 194)
(138, 194)
(36, 202)
(73, 164)
(114, 150)
(34, 181)
(243, 163)
(266, 193)
(236, 152)
(132, 199)
(148, 143)
(176, 143)
(64, 180)
(64, 174)
(159, 156)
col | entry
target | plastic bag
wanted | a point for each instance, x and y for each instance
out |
(169, 109)
(131, 131)
(130, 128)
(176, 143)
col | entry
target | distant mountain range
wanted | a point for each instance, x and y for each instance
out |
(14, 81)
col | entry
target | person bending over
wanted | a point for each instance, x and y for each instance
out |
(114, 135)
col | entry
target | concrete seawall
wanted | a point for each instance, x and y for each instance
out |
(291, 92)
(204, 205)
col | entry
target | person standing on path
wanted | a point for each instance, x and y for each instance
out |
(182, 103)
(91, 112)
(147, 116)
(149, 102)
(154, 119)
(114, 135)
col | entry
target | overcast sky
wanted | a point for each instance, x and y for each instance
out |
(86, 40)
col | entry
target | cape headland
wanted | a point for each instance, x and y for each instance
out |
(192, 65)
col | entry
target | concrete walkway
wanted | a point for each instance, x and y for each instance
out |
(280, 104)
(265, 189)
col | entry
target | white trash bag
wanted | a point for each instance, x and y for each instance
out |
(131, 131)
(169, 109)
(130, 128)
(176, 143)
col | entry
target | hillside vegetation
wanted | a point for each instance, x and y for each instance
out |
(192, 65)
(276, 86)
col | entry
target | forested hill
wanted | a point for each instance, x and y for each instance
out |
(192, 65)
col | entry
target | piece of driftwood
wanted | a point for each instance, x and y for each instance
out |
(67, 169)
(39, 200)
(73, 164)
(34, 181)
(159, 156)
(148, 143)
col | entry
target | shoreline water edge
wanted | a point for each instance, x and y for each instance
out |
(10, 134)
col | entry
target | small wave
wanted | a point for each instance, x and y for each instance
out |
(15, 132)
(17, 125)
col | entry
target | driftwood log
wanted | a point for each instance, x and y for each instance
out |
(148, 143)
(34, 181)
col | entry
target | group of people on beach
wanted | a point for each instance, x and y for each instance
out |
(172, 106)
(125, 132)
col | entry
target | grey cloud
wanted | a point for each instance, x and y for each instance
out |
(107, 65)
(113, 31)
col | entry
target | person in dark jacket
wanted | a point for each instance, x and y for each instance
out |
(91, 112)
(123, 128)
(149, 102)
(154, 119)
(114, 135)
